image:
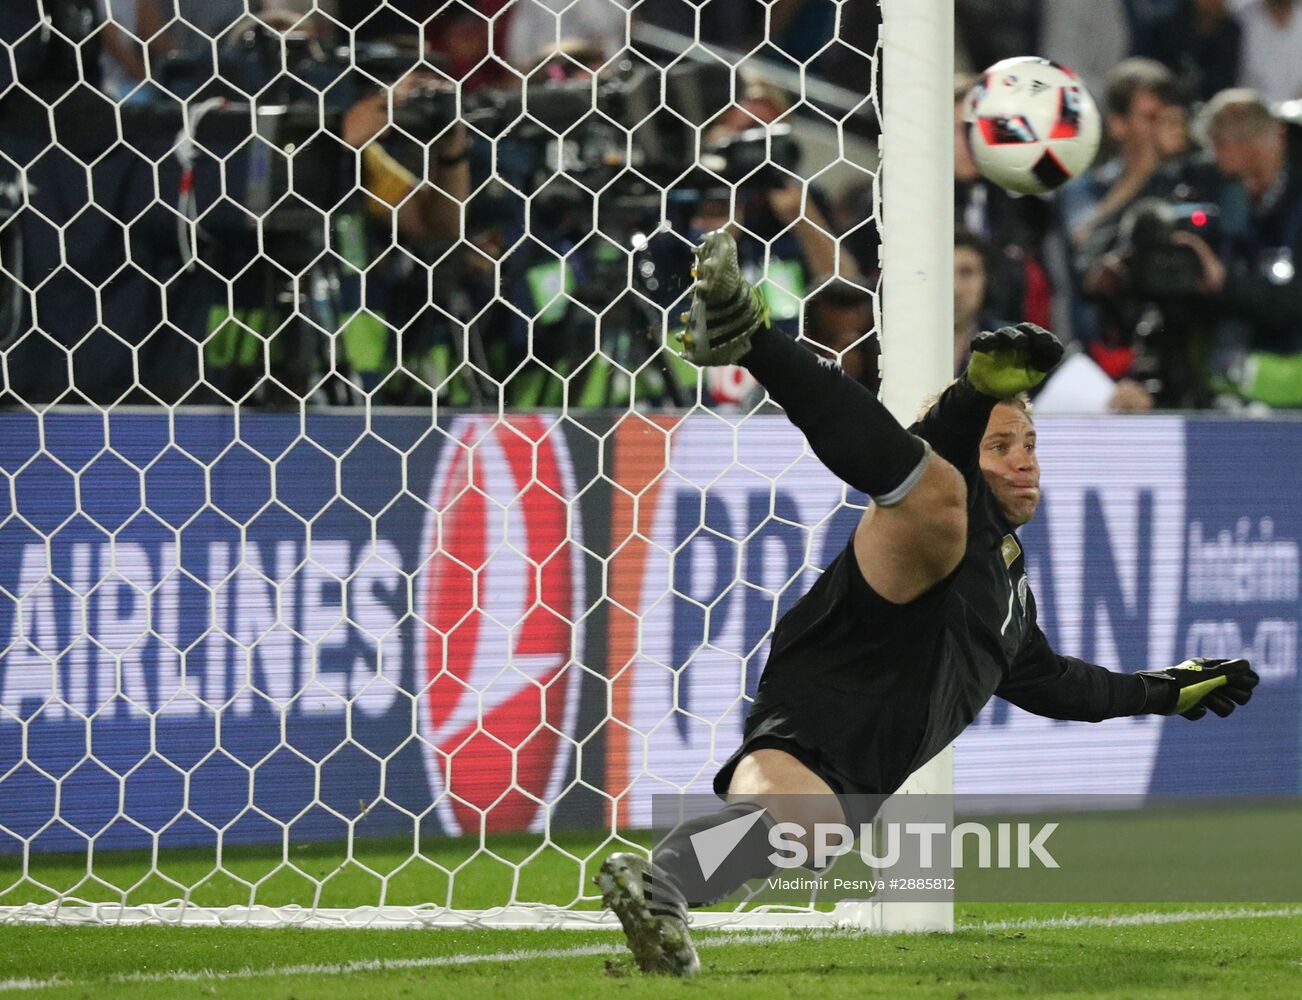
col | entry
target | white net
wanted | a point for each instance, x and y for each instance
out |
(366, 556)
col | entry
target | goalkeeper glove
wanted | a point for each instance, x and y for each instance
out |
(726, 311)
(1012, 359)
(1192, 687)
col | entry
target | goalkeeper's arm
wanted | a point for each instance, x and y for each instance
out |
(1063, 687)
(1005, 363)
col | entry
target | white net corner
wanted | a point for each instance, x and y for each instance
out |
(368, 559)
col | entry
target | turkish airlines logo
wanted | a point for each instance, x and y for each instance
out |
(503, 591)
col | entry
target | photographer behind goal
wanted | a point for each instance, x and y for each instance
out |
(1250, 273)
(1206, 274)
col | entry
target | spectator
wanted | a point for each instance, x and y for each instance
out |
(192, 26)
(802, 250)
(799, 29)
(1272, 49)
(1252, 274)
(735, 26)
(1090, 36)
(303, 8)
(990, 30)
(92, 328)
(575, 59)
(1013, 228)
(1141, 319)
(839, 320)
(425, 211)
(315, 18)
(1146, 125)
(1199, 42)
(970, 284)
(838, 325)
(762, 103)
(1145, 115)
(191, 43)
(421, 206)
(409, 202)
(50, 64)
(853, 215)
(123, 60)
(457, 33)
(540, 27)
(135, 30)
(797, 252)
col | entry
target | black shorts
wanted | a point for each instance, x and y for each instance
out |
(850, 682)
(859, 804)
(782, 736)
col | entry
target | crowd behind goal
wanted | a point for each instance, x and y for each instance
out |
(489, 204)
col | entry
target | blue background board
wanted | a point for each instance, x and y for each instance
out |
(197, 485)
(282, 562)
(1244, 514)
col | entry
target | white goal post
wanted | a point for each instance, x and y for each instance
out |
(253, 626)
(917, 295)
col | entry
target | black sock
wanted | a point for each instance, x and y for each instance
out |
(849, 429)
(678, 859)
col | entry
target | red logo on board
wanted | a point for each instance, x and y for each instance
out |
(502, 593)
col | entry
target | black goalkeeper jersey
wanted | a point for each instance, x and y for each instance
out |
(871, 690)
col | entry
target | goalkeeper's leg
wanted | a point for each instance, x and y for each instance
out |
(651, 899)
(917, 530)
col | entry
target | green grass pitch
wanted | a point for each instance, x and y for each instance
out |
(1240, 957)
(1112, 950)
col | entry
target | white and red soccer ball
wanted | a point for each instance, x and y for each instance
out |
(1031, 124)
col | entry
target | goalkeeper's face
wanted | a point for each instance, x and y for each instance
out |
(1009, 463)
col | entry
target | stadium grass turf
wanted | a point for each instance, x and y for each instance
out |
(1242, 956)
(1257, 957)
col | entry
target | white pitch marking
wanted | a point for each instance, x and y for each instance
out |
(1133, 919)
(596, 950)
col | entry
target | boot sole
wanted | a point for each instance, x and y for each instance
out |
(657, 944)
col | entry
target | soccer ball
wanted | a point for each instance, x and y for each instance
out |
(1031, 125)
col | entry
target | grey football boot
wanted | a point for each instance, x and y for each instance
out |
(652, 912)
(726, 308)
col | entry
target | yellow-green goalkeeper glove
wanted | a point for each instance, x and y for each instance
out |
(1012, 359)
(1192, 687)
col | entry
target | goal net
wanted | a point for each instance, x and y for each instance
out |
(367, 559)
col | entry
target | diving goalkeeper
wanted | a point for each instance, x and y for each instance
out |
(908, 633)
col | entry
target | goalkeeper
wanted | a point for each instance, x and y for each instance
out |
(910, 630)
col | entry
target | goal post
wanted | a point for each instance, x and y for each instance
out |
(366, 559)
(917, 294)
(917, 194)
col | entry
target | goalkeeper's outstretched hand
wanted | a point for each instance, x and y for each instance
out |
(1012, 359)
(1194, 686)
